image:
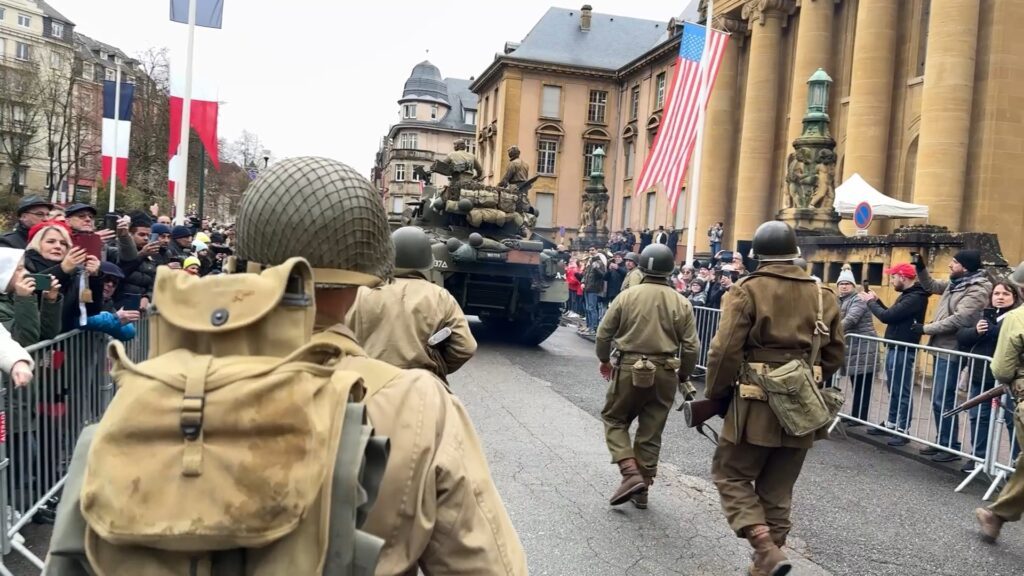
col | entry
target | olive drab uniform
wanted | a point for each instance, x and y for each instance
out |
(649, 320)
(769, 318)
(1008, 367)
(518, 171)
(437, 508)
(394, 322)
(464, 165)
(633, 278)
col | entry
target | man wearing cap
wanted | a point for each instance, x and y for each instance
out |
(82, 220)
(963, 297)
(1008, 368)
(31, 211)
(181, 241)
(909, 309)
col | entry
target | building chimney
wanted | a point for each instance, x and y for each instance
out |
(585, 17)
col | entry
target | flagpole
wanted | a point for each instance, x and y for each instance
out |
(117, 120)
(186, 114)
(705, 70)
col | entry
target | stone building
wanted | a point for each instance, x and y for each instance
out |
(925, 106)
(433, 114)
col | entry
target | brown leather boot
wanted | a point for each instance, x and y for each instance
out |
(632, 482)
(640, 498)
(768, 559)
(990, 523)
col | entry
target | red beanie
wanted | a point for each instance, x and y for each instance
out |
(47, 224)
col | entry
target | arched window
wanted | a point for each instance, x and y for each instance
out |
(549, 138)
(652, 129)
(909, 172)
(592, 140)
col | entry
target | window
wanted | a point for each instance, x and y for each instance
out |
(111, 74)
(598, 103)
(24, 20)
(407, 140)
(87, 71)
(471, 117)
(494, 105)
(634, 103)
(399, 172)
(630, 148)
(922, 45)
(22, 175)
(56, 29)
(117, 60)
(3, 48)
(21, 51)
(56, 60)
(545, 206)
(487, 106)
(103, 55)
(627, 205)
(652, 204)
(546, 152)
(409, 111)
(660, 91)
(470, 146)
(3, 11)
(397, 204)
(588, 157)
(551, 102)
(433, 111)
(680, 210)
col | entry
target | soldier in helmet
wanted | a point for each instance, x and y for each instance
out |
(770, 318)
(648, 323)
(518, 171)
(397, 321)
(465, 166)
(437, 508)
(633, 274)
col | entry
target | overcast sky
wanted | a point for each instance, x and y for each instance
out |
(323, 76)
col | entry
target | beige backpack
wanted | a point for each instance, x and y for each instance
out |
(237, 448)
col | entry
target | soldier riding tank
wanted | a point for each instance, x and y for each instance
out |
(486, 255)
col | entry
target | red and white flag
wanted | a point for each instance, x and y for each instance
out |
(674, 142)
(117, 129)
(203, 118)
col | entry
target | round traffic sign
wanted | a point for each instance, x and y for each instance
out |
(862, 215)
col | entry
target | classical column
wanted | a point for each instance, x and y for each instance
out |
(874, 61)
(813, 51)
(719, 156)
(753, 204)
(946, 110)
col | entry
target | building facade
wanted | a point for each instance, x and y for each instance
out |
(434, 113)
(924, 106)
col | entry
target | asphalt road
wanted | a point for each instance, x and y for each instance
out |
(859, 510)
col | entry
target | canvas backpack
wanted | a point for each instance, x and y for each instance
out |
(236, 448)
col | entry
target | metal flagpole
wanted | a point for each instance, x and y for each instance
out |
(186, 119)
(117, 118)
(705, 71)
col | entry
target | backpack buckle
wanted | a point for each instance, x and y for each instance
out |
(192, 417)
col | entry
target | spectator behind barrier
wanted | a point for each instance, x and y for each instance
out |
(30, 315)
(14, 360)
(50, 252)
(861, 355)
(140, 273)
(31, 211)
(111, 320)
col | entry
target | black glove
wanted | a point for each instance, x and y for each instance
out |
(918, 262)
(917, 328)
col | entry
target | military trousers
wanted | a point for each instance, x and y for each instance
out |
(1010, 504)
(650, 407)
(755, 485)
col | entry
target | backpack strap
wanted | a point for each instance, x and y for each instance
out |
(821, 330)
(192, 405)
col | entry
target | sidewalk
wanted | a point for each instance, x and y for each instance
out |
(552, 468)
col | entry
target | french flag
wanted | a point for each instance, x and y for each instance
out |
(204, 108)
(117, 128)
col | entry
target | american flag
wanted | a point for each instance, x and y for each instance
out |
(673, 145)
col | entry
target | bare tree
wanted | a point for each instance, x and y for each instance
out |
(22, 100)
(150, 124)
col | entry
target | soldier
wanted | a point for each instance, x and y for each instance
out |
(1008, 368)
(769, 319)
(437, 507)
(518, 171)
(395, 322)
(633, 274)
(465, 166)
(648, 324)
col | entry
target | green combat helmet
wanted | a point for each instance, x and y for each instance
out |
(656, 260)
(774, 241)
(632, 257)
(412, 251)
(322, 210)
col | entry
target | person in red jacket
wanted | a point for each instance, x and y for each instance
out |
(575, 287)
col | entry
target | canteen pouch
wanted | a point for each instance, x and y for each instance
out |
(643, 373)
(795, 399)
(752, 392)
(834, 400)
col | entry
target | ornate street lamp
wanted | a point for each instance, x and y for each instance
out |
(817, 95)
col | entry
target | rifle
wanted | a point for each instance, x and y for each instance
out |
(982, 398)
(698, 412)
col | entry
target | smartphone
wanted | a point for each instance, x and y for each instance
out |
(915, 258)
(866, 285)
(91, 243)
(110, 221)
(989, 315)
(42, 281)
(132, 301)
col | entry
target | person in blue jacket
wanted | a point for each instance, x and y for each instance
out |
(115, 322)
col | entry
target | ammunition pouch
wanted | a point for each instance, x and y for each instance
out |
(792, 394)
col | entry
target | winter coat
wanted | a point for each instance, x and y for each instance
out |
(959, 307)
(907, 310)
(139, 276)
(698, 299)
(861, 355)
(593, 276)
(121, 249)
(614, 279)
(968, 340)
(69, 288)
(109, 324)
(715, 296)
(30, 319)
(18, 238)
(572, 278)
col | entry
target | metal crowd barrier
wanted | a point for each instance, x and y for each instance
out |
(40, 424)
(902, 390)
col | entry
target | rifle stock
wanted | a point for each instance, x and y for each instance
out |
(697, 412)
(982, 398)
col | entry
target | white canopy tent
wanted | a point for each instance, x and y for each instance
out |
(856, 190)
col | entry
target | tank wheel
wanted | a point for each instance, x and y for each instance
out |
(535, 326)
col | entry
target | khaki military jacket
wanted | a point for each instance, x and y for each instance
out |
(437, 509)
(517, 172)
(464, 164)
(651, 319)
(393, 323)
(769, 313)
(1008, 359)
(633, 278)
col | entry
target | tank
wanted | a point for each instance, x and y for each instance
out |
(487, 257)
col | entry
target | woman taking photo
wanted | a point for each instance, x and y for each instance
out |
(861, 355)
(50, 252)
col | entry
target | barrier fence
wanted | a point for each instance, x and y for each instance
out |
(900, 391)
(40, 424)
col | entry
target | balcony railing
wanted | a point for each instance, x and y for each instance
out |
(411, 154)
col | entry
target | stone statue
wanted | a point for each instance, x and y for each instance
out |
(587, 216)
(825, 192)
(601, 216)
(801, 179)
